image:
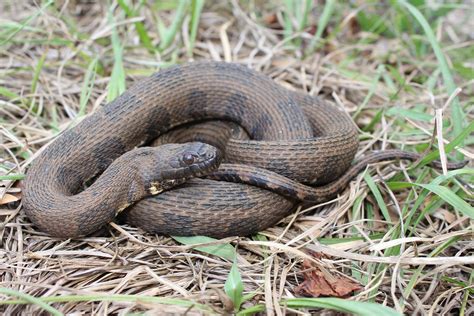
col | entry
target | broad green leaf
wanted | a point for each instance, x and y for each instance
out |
(225, 251)
(234, 287)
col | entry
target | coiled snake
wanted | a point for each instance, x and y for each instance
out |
(294, 137)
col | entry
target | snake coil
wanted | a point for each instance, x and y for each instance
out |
(294, 139)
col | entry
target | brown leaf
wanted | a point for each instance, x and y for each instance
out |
(445, 215)
(353, 27)
(271, 21)
(8, 198)
(270, 18)
(316, 283)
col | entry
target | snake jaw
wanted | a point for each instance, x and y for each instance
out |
(158, 187)
(121, 208)
(155, 188)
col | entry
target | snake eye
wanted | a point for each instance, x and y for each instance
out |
(188, 158)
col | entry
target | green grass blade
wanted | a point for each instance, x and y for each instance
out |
(375, 120)
(417, 273)
(251, 310)
(12, 26)
(457, 141)
(139, 26)
(303, 18)
(412, 114)
(37, 72)
(422, 196)
(8, 93)
(161, 29)
(466, 285)
(117, 79)
(54, 119)
(449, 197)
(373, 23)
(373, 88)
(467, 294)
(287, 25)
(12, 177)
(300, 11)
(346, 306)
(225, 251)
(442, 191)
(87, 86)
(25, 23)
(196, 9)
(322, 23)
(458, 115)
(378, 197)
(169, 35)
(31, 299)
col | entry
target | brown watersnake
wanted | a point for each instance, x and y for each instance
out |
(294, 135)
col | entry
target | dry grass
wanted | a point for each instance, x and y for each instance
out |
(420, 267)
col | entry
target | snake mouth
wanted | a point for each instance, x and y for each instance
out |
(185, 174)
(211, 162)
(207, 159)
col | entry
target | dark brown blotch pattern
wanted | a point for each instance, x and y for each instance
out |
(171, 97)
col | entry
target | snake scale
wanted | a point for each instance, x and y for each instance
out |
(105, 165)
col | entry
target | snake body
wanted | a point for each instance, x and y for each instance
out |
(293, 136)
(251, 200)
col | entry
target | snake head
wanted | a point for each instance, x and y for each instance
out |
(180, 162)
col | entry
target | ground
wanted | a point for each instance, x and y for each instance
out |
(400, 234)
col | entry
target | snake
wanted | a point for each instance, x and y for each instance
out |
(107, 165)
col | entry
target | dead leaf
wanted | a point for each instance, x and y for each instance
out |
(445, 215)
(316, 283)
(271, 21)
(8, 198)
(353, 27)
(270, 18)
(226, 301)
